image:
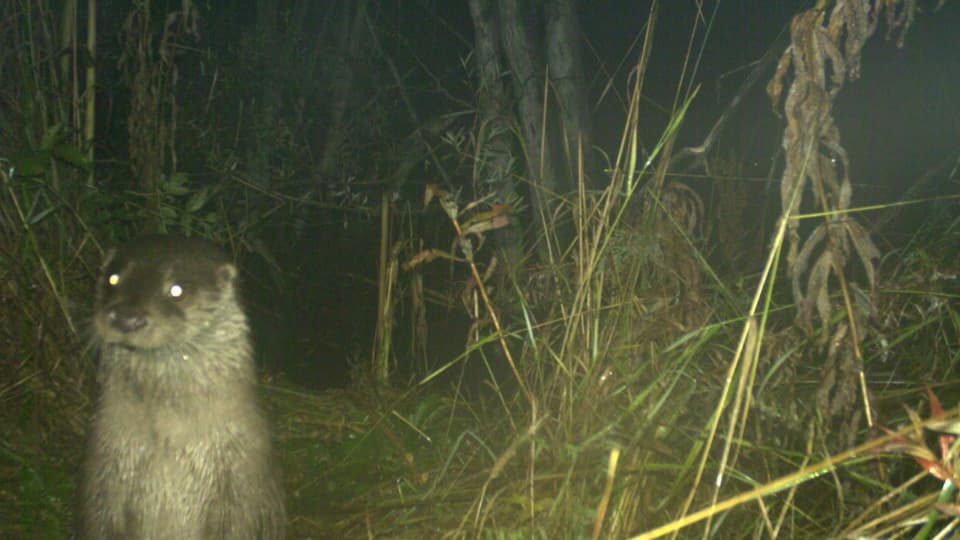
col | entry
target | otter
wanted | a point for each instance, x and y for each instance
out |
(179, 445)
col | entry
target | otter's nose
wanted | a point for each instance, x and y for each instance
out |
(125, 321)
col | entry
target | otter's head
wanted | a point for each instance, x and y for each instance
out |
(159, 291)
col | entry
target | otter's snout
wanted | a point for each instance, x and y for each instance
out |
(126, 321)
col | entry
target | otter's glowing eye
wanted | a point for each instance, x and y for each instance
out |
(176, 291)
(113, 279)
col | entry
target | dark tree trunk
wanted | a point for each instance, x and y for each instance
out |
(509, 39)
(566, 75)
(349, 43)
(528, 85)
(495, 140)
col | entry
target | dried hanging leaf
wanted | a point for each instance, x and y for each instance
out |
(447, 200)
(824, 52)
(426, 256)
(866, 250)
(498, 216)
(429, 192)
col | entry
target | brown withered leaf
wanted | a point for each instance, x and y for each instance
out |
(919, 452)
(498, 216)
(472, 204)
(914, 445)
(426, 256)
(429, 192)
(447, 200)
(952, 510)
(826, 44)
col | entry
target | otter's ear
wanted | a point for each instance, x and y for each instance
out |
(227, 273)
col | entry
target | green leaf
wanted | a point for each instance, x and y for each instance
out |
(175, 185)
(197, 200)
(30, 162)
(52, 137)
(71, 155)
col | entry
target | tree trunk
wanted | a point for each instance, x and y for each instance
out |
(494, 139)
(350, 41)
(528, 84)
(566, 75)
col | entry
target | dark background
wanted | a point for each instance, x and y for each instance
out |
(317, 314)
